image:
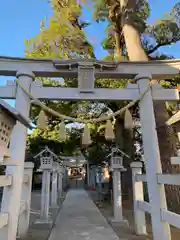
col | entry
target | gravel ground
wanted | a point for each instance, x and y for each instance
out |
(105, 208)
(122, 231)
(128, 233)
(43, 233)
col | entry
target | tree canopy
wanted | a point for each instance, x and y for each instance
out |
(63, 36)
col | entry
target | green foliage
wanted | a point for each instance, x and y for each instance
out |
(166, 31)
(162, 32)
(37, 140)
(97, 154)
(104, 9)
(67, 40)
(108, 43)
(62, 36)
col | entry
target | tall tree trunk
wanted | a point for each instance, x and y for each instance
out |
(134, 47)
(118, 47)
(124, 137)
(127, 176)
(167, 145)
(166, 137)
(118, 42)
(119, 128)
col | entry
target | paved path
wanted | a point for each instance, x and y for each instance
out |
(80, 219)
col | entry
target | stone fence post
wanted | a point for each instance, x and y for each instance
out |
(60, 182)
(23, 224)
(54, 188)
(138, 194)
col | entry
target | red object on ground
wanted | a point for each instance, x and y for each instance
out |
(93, 188)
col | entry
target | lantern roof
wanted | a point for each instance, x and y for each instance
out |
(45, 150)
(117, 150)
(15, 114)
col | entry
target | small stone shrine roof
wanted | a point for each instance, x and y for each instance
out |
(15, 114)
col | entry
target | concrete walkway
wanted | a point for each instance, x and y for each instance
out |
(80, 219)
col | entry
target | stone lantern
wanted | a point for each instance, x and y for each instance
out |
(46, 165)
(46, 160)
(117, 162)
(8, 118)
(117, 168)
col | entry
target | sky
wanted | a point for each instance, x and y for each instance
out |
(20, 19)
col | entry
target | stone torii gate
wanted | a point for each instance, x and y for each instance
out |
(26, 70)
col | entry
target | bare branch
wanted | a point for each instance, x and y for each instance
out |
(160, 45)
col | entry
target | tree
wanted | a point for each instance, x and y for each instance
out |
(119, 14)
(123, 22)
(104, 10)
(131, 19)
(58, 40)
(62, 39)
(165, 32)
(37, 140)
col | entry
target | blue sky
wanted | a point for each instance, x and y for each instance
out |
(20, 19)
